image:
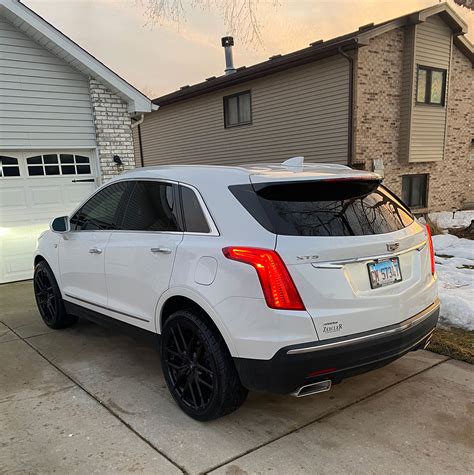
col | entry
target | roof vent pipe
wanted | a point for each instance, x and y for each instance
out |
(227, 43)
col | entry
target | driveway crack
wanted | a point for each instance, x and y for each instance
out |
(323, 416)
(110, 410)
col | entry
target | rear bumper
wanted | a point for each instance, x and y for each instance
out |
(338, 358)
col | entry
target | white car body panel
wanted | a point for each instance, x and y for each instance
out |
(127, 280)
(136, 276)
(81, 271)
(340, 298)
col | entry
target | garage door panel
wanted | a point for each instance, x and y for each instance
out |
(45, 195)
(17, 265)
(75, 193)
(27, 206)
(12, 198)
(17, 245)
(15, 234)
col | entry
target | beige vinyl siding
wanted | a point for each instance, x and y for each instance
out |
(43, 101)
(428, 122)
(302, 111)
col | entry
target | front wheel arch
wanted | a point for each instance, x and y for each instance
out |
(38, 259)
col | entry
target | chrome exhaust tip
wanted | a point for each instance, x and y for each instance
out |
(427, 342)
(314, 388)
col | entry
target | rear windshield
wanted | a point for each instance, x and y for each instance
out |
(324, 208)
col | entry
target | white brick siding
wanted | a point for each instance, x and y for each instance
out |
(113, 130)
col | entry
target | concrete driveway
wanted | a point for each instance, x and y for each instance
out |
(90, 400)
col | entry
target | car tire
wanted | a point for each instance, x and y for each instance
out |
(48, 298)
(198, 368)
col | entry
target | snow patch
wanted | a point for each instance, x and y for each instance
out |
(445, 220)
(450, 245)
(454, 259)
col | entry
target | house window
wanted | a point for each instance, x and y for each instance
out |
(237, 109)
(415, 190)
(431, 85)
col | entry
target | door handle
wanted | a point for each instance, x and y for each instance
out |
(95, 250)
(162, 250)
(90, 180)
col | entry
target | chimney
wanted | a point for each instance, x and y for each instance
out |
(227, 43)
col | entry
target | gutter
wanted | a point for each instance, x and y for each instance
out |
(350, 125)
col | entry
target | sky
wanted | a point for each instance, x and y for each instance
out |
(160, 58)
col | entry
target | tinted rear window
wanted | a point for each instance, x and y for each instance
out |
(324, 208)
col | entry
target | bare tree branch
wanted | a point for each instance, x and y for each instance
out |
(158, 10)
(465, 3)
(241, 17)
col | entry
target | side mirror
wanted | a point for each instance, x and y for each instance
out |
(60, 225)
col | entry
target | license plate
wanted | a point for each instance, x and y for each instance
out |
(386, 272)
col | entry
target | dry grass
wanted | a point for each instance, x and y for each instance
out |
(433, 226)
(455, 343)
(466, 233)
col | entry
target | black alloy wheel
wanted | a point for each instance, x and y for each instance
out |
(45, 297)
(198, 368)
(48, 298)
(191, 368)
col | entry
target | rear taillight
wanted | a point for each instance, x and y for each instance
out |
(430, 246)
(277, 285)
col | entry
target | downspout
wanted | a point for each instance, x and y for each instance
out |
(140, 144)
(350, 127)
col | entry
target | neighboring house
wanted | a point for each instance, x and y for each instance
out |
(63, 117)
(397, 98)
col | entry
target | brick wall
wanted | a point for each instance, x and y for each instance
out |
(113, 130)
(377, 122)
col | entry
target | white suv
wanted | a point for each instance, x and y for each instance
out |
(281, 278)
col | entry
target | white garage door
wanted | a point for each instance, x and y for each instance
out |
(34, 188)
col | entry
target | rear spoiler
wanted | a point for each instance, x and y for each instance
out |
(377, 178)
(349, 175)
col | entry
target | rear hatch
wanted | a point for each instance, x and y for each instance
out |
(357, 256)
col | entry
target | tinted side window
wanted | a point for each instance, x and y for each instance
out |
(151, 207)
(194, 219)
(101, 211)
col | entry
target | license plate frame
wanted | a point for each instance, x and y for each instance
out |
(375, 270)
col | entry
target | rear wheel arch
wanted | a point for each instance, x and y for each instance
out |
(178, 302)
(182, 300)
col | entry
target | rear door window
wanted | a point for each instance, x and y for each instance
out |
(193, 215)
(324, 208)
(151, 207)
